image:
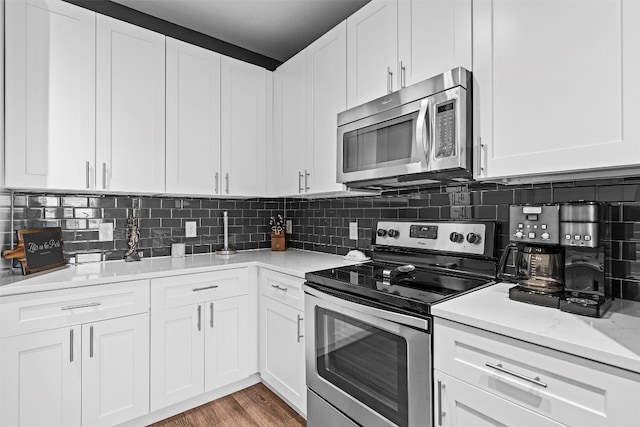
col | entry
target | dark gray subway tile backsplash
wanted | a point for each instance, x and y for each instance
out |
(318, 224)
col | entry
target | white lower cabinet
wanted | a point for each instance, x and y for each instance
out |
(282, 358)
(458, 404)
(200, 347)
(115, 370)
(499, 380)
(93, 372)
(41, 379)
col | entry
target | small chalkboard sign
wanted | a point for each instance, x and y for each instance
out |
(38, 249)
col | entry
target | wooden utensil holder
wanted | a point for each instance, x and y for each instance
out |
(278, 242)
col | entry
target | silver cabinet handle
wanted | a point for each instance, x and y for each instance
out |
(199, 317)
(300, 188)
(226, 177)
(280, 288)
(211, 307)
(389, 80)
(300, 318)
(306, 181)
(104, 176)
(440, 412)
(204, 288)
(90, 341)
(500, 368)
(73, 307)
(71, 346)
(87, 173)
(403, 75)
(216, 179)
(483, 156)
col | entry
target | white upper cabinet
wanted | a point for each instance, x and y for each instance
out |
(243, 123)
(556, 87)
(395, 43)
(290, 127)
(433, 36)
(372, 46)
(193, 120)
(326, 97)
(130, 120)
(50, 95)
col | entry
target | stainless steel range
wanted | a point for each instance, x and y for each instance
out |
(369, 342)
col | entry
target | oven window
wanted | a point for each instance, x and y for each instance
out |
(367, 363)
(381, 145)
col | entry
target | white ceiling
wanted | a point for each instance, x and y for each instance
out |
(277, 29)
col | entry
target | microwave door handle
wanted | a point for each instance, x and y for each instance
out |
(422, 134)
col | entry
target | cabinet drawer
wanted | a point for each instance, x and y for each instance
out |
(177, 291)
(22, 314)
(282, 287)
(566, 388)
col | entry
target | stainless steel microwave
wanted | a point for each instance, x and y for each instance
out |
(416, 136)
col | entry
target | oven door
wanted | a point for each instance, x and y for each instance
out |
(372, 365)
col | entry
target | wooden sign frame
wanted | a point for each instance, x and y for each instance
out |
(38, 249)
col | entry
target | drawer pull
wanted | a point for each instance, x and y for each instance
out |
(500, 368)
(73, 307)
(280, 288)
(205, 288)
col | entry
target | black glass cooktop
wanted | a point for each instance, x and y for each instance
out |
(415, 291)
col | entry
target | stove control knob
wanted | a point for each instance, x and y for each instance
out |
(473, 238)
(456, 237)
(393, 233)
(382, 232)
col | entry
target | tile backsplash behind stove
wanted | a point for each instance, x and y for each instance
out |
(318, 224)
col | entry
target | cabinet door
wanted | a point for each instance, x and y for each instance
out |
(227, 338)
(290, 83)
(372, 51)
(458, 404)
(41, 383)
(115, 370)
(193, 119)
(243, 91)
(50, 95)
(130, 99)
(555, 86)
(327, 96)
(433, 36)
(282, 351)
(177, 355)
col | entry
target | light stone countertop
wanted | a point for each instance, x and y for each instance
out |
(292, 261)
(613, 339)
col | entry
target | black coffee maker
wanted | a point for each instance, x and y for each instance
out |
(587, 290)
(539, 258)
(561, 259)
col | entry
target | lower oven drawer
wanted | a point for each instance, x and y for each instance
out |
(565, 388)
(321, 414)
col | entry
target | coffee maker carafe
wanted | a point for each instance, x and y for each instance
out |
(539, 261)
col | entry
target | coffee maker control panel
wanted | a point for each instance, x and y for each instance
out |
(535, 224)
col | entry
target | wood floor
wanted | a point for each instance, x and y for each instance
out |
(253, 406)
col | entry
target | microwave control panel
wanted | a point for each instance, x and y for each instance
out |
(445, 129)
(535, 224)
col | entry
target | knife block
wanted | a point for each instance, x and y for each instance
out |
(278, 242)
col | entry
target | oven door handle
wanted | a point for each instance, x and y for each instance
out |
(390, 316)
